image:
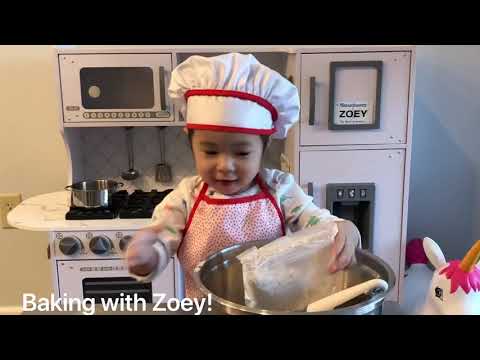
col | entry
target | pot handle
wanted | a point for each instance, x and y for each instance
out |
(68, 187)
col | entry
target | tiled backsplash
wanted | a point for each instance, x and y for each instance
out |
(104, 155)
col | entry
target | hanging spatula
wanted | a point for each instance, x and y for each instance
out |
(163, 170)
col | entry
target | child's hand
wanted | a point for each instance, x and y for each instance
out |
(141, 256)
(343, 249)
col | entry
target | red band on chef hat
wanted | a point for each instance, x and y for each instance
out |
(236, 94)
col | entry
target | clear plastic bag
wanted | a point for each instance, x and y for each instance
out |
(292, 271)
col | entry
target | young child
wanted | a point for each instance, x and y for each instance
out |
(233, 104)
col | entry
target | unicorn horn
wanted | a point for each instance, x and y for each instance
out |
(471, 258)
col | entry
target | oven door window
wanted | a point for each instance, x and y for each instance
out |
(115, 288)
(117, 87)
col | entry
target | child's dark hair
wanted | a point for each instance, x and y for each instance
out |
(265, 139)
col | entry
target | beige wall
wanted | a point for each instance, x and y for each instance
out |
(32, 161)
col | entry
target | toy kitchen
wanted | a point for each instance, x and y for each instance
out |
(350, 151)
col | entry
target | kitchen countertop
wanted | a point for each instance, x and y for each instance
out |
(46, 212)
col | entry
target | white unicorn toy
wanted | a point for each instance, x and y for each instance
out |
(455, 286)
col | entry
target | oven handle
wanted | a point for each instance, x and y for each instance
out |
(163, 103)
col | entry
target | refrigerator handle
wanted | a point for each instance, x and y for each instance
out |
(310, 189)
(311, 116)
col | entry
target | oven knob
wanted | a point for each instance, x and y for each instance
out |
(70, 245)
(123, 243)
(100, 245)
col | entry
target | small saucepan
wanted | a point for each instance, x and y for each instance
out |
(93, 193)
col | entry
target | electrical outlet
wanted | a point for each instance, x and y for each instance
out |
(8, 201)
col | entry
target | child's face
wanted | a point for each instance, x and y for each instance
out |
(228, 162)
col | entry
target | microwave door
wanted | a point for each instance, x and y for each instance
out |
(117, 88)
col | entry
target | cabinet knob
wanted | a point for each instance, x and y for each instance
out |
(124, 242)
(100, 245)
(69, 245)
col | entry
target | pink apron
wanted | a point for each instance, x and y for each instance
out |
(215, 224)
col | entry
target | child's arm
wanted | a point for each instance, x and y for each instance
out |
(300, 212)
(152, 247)
(297, 207)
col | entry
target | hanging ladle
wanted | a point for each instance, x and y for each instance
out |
(131, 173)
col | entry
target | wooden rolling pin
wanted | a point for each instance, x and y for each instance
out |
(341, 297)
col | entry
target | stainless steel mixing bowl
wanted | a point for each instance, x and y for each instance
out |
(220, 275)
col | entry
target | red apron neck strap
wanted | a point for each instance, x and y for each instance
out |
(202, 193)
(261, 183)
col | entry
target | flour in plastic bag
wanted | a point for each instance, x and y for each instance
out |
(291, 272)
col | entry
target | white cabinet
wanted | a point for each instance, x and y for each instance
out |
(339, 144)
(354, 85)
(384, 168)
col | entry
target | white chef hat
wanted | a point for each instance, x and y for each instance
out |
(234, 92)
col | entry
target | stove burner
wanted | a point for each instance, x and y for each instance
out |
(138, 205)
(78, 213)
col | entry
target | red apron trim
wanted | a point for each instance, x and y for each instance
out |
(273, 201)
(197, 202)
(240, 200)
(231, 129)
(237, 94)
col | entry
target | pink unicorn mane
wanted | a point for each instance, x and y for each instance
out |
(459, 278)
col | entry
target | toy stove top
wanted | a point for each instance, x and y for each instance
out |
(137, 205)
